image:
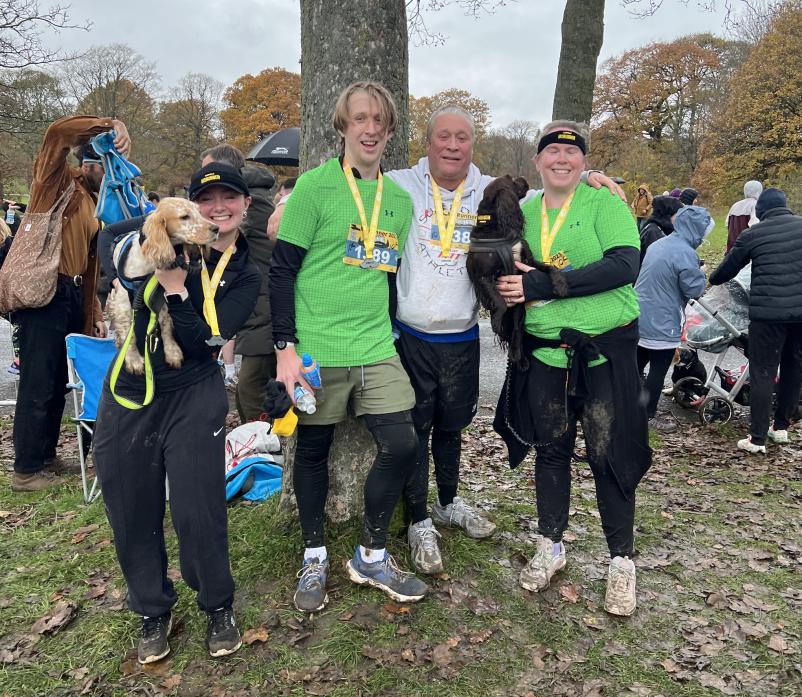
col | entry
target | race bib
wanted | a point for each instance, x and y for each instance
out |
(460, 240)
(385, 250)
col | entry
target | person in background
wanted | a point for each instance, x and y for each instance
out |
(659, 223)
(742, 213)
(676, 192)
(641, 204)
(774, 247)
(669, 277)
(154, 198)
(75, 306)
(688, 196)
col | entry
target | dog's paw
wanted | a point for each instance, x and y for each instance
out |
(134, 363)
(173, 355)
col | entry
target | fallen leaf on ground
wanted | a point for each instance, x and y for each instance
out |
(60, 615)
(570, 592)
(441, 655)
(251, 636)
(82, 533)
(394, 609)
(779, 644)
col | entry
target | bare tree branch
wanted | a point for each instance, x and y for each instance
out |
(416, 21)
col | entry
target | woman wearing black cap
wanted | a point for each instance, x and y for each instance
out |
(180, 433)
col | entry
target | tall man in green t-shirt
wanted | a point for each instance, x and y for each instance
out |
(339, 244)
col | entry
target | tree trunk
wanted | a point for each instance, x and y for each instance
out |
(582, 35)
(343, 41)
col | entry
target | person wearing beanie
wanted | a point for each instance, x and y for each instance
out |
(688, 196)
(742, 213)
(659, 224)
(675, 192)
(774, 246)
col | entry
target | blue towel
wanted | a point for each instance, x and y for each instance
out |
(263, 473)
(120, 197)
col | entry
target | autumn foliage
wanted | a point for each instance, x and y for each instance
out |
(261, 104)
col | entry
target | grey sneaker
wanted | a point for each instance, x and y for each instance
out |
(153, 644)
(780, 437)
(422, 539)
(311, 595)
(536, 575)
(620, 596)
(222, 635)
(459, 514)
(401, 586)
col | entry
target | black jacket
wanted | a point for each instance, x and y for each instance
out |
(256, 336)
(652, 230)
(774, 246)
(234, 300)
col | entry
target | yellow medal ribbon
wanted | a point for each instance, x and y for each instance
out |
(446, 230)
(368, 233)
(547, 235)
(210, 287)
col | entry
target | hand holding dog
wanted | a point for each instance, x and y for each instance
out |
(172, 280)
(511, 288)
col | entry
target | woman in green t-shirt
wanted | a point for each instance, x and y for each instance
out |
(582, 339)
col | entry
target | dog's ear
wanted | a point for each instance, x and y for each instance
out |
(157, 247)
(521, 186)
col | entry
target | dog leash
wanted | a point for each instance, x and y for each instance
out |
(151, 342)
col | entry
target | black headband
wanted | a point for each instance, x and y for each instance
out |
(563, 137)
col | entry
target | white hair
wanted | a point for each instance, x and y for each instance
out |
(450, 109)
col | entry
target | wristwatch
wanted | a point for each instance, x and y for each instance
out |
(280, 345)
(176, 298)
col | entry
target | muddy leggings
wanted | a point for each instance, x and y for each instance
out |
(553, 461)
(397, 447)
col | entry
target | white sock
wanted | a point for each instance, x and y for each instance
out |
(372, 555)
(318, 553)
(556, 548)
(231, 370)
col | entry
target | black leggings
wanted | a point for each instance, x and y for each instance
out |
(553, 461)
(659, 361)
(446, 447)
(396, 455)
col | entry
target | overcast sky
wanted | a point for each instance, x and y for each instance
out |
(508, 58)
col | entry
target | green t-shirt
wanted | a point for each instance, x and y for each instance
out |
(596, 222)
(341, 309)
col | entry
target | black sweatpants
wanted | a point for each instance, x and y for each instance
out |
(553, 461)
(772, 345)
(396, 451)
(180, 434)
(43, 375)
(659, 361)
(445, 377)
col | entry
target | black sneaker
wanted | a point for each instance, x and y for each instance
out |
(153, 644)
(222, 635)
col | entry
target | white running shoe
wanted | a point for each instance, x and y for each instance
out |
(536, 575)
(750, 447)
(460, 515)
(620, 596)
(422, 538)
(780, 437)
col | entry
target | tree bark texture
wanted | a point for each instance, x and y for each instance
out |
(343, 41)
(582, 35)
(352, 453)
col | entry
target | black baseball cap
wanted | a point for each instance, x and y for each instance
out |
(217, 174)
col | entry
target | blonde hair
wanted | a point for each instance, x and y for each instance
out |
(374, 90)
(5, 231)
(564, 124)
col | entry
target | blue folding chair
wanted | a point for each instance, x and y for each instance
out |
(88, 361)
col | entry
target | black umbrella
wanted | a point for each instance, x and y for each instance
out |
(281, 148)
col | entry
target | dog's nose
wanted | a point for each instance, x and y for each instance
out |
(214, 229)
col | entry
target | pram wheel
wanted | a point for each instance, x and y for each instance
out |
(715, 410)
(689, 392)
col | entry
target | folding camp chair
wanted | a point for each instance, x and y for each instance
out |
(88, 361)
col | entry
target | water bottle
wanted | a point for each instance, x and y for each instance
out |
(10, 216)
(304, 400)
(311, 373)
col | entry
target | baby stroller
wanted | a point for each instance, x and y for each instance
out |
(715, 323)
